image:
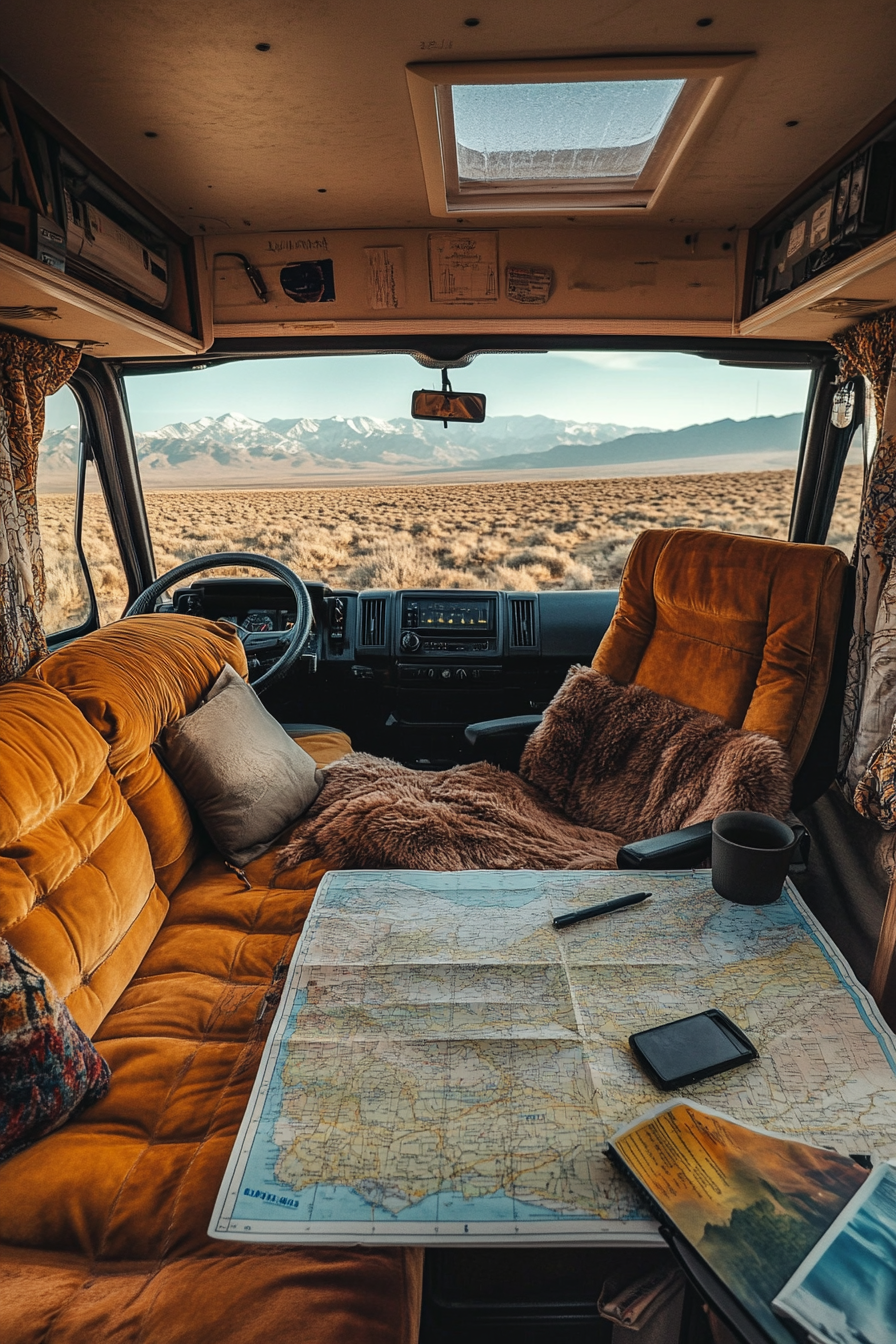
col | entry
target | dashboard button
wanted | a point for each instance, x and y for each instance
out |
(446, 673)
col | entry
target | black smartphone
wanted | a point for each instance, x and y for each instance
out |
(682, 1052)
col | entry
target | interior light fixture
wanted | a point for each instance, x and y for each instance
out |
(594, 134)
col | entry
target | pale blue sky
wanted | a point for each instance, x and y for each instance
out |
(662, 391)
(494, 117)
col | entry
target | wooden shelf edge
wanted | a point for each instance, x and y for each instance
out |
(528, 326)
(51, 284)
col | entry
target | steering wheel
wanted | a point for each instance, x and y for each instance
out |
(253, 641)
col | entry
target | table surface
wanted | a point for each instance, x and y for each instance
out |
(445, 1067)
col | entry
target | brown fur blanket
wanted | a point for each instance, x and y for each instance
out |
(625, 759)
(609, 764)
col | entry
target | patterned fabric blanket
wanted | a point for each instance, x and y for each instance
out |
(609, 764)
(48, 1066)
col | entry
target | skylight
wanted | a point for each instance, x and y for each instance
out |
(577, 132)
(594, 133)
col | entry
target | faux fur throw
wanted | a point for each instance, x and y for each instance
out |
(609, 764)
(375, 813)
(625, 759)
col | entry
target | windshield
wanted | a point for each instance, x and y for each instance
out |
(316, 462)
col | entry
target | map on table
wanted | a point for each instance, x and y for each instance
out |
(444, 1066)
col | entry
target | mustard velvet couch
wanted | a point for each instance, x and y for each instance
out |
(109, 886)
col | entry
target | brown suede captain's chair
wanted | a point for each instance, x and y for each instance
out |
(753, 630)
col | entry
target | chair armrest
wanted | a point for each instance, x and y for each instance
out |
(501, 741)
(691, 847)
(687, 848)
(522, 726)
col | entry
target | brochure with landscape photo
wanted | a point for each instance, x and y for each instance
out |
(751, 1203)
(844, 1292)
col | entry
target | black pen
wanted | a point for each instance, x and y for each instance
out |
(575, 916)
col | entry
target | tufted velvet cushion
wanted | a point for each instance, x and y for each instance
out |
(49, 1067)
(77, 893)
(130, 680)
(741, 627)
(104, 1221)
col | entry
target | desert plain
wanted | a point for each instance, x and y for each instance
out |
(528, 535)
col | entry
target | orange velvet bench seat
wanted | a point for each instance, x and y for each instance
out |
(104, 1223)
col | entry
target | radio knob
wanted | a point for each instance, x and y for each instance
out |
(410, 641)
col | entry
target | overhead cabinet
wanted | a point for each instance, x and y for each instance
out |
(82, 257)
(828, 256)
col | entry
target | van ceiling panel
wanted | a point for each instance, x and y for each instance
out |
(317, 132)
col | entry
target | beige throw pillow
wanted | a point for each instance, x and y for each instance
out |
(245, 776)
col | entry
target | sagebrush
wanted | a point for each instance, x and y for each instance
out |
(514, 534)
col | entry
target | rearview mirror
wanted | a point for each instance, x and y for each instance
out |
(446, 405)
(469, 406)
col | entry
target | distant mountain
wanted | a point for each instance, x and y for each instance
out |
(766, 433)
(234, 447)
(235, 440)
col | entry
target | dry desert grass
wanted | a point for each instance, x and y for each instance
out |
(522, 535)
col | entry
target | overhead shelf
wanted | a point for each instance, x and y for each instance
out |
(38, 300)
(836, 299)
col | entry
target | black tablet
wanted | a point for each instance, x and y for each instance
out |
(692, 1048)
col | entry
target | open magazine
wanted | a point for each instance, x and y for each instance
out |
(844, 1292)
(752, 1204)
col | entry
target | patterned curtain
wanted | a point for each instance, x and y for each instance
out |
(30, 370)
(868, 744)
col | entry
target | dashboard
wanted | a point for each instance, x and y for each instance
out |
(403, 671)
(415, 634)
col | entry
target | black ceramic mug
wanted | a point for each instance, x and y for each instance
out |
(751, 853)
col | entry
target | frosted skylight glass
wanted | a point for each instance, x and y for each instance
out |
(545, 132)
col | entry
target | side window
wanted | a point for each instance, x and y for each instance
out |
(101, 551)
(67, 605)
(848, 504)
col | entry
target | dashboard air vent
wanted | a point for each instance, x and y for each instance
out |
(522, 622)
(373, 622)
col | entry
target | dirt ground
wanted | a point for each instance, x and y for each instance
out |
(522, 535)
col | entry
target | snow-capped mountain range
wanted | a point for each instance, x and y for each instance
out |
(235, 446)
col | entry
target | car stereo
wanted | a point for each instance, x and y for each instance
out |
(432, 623)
